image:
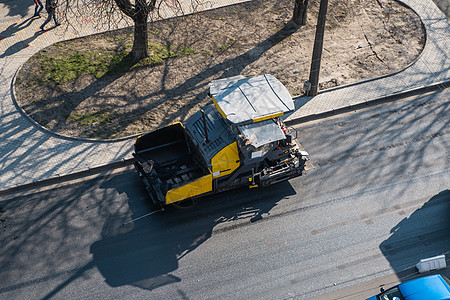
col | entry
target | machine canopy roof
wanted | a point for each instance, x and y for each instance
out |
(249, 100)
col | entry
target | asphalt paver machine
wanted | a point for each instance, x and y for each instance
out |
(238, 140)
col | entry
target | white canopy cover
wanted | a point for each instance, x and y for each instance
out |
(243, 100)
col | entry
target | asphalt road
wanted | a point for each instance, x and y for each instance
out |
(377, 201)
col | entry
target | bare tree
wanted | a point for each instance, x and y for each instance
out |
(300, 12)
(139, 14)
(107, 14)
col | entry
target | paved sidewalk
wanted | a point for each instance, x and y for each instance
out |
(29, 154)
(431, 67)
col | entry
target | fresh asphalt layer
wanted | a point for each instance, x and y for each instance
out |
(376, 203)
(31, 154)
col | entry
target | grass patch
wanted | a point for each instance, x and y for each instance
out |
(89, 119)
(228, 43)
(206, 52)
(64, 68)
(188, 51)
(72, 64)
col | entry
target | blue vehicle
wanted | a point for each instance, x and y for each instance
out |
(435, 287)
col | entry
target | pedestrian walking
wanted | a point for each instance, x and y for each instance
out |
(38, 8)
(50, 6)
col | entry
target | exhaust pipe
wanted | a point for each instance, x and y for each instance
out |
(204, 126)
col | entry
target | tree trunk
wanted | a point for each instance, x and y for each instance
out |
(300, 10)
(140, 43)
(317, 50)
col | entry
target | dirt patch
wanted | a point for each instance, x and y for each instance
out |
(363, 39)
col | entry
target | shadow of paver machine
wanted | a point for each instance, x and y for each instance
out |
(238, 140)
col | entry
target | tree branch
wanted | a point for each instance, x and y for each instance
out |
(126, 7)
(151, 5)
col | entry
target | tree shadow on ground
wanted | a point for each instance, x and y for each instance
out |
(425, 233)
(418, 125)
(63, 105)
(146, 252)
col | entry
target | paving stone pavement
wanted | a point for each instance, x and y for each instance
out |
(431, 67)
(29, 153)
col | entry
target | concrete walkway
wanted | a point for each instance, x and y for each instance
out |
(29, 153)
(431, 67)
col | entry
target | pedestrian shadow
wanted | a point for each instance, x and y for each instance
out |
(146, 253)
(17, 8)
(14, 28)
(425, 233)
(20, 45)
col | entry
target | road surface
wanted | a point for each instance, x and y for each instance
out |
(376, 202)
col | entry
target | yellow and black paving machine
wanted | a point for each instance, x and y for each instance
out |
(237, 141)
